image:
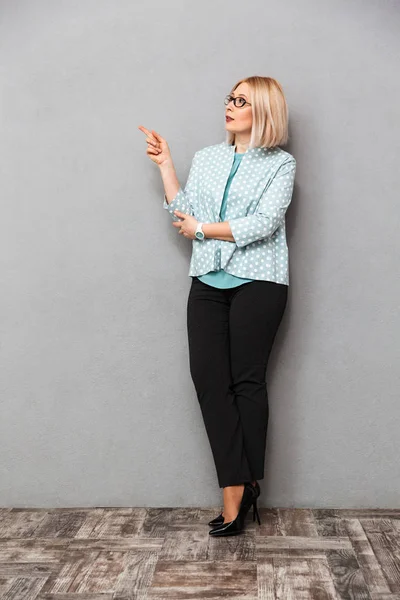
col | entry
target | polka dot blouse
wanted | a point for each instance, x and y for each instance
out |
(259, 196)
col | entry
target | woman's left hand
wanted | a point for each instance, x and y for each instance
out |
(187, 225)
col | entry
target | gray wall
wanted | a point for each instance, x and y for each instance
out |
(97, 403)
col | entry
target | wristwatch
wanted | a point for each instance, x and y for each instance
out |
(199, 233)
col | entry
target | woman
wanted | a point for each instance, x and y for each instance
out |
(233, 208)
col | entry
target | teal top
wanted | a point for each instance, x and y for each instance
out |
(220, 278)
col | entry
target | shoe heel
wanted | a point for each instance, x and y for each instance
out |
(255, 512)
(237, 525)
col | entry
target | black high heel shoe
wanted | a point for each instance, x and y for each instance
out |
(236, 526)
(255, 511)
(220, 519)
(217, 521)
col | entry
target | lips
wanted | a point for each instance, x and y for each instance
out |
(228, 118)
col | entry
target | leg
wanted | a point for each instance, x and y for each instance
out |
(256, 312)
(208, 335)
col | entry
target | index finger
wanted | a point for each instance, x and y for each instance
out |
(147, 132)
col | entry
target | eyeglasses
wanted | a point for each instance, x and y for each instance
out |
(238, 101)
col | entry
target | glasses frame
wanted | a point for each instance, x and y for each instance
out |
(228, 98)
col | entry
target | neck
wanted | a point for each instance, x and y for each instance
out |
(241, 142)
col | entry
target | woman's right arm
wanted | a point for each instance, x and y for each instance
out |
(169, 179)
(174, 196)
(182, 200)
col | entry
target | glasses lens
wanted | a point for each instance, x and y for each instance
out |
(227, 99)
(240, 101)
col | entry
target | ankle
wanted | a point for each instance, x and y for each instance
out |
(233, 491)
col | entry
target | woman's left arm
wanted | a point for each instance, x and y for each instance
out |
(218, 231)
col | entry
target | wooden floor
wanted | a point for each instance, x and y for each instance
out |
(165, 554)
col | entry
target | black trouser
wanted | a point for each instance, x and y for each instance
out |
(230, 334)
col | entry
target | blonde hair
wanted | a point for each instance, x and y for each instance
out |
(270, 113)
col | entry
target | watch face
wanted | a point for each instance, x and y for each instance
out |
(199, 235)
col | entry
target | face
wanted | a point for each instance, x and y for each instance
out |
(242, 117)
